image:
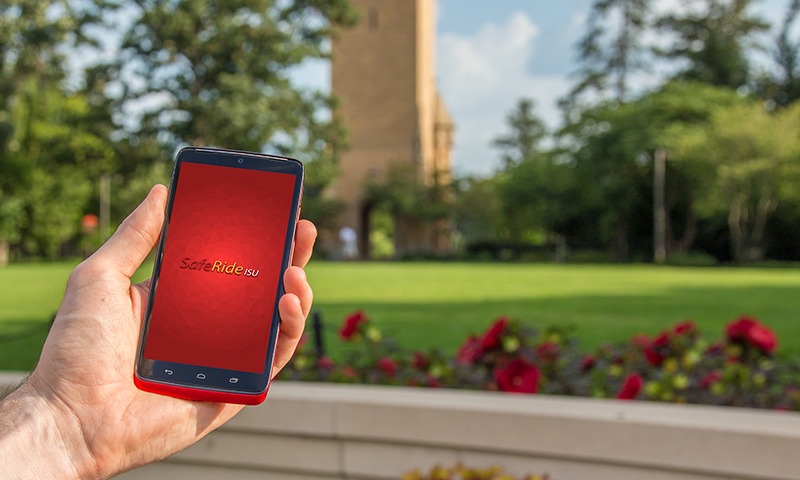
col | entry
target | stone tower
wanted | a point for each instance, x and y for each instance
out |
(383, 72)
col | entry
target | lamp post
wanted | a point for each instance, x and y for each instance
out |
(659, 208)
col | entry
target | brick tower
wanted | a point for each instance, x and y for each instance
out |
(383, 72)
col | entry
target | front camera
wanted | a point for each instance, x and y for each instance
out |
(241, 160)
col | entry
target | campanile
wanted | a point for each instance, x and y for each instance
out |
(383, 72)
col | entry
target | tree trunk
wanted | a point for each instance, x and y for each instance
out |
(3, 253)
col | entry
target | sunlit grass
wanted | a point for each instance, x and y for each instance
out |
(437, 304)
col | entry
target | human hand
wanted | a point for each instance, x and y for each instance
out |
(84, 378)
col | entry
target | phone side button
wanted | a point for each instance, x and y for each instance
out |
(201, 376)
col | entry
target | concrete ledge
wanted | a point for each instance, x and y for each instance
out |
(325, 431)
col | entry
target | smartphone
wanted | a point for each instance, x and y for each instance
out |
(211, 321)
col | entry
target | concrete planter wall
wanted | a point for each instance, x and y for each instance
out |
(326, 431)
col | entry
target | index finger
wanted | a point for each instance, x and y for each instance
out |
(304, 239)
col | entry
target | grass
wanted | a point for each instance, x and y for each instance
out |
(426, 305)
(437, 304)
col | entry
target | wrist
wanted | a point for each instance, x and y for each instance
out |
(39, 439)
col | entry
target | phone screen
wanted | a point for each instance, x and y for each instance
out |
(220, 269)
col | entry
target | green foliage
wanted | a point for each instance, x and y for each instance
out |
(714, 36)
(527, 133)
(219, 72)
(611, 50)
(752, 166)
(477, 210)
(402, 195)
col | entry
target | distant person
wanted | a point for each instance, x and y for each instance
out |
(349, 239)
(79, 415)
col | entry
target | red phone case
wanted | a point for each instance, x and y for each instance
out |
(196, 394)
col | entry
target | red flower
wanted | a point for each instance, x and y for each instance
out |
(325, 363)
(349, 372)
(710, 379)
(433, 382)
(387, 366)
(588, 362)
(470, 351)
(420, 361)
(547, 351)
(763, 338)
(631, 387)
(491, 338)
(685, 328)
(653, 358)
(352, 324)
(653, 349)
(518, 376)
(750, 331)
(737, 329)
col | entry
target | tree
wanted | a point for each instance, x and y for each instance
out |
(48, 152)
(783, 85)
(611, 49)
(755, 168)
(712, 37)
(526, 135)
(611, 147)
(217, 73)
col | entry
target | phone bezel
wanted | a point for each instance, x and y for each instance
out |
(216, 384)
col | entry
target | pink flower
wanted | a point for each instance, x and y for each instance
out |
(325, 363)
(387, 366)
(491, 338)
(518, 376)
(352, 324)
(710, 379)
(631, 387)
(547, 351)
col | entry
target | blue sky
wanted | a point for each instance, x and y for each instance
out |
(491, 54)
(488, 57)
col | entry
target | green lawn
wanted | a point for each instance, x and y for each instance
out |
(438, 304)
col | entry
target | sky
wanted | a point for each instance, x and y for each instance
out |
(490, 57)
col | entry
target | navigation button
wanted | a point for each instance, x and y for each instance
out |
(201, 376)
(234, 380)
(168, 371)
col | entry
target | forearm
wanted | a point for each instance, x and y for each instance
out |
(39, 441)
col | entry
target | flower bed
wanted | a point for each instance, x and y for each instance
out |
(461, 472)
(675, 365)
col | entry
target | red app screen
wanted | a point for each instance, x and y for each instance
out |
(221, 266)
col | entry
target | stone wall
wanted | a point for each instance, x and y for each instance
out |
(325, 431)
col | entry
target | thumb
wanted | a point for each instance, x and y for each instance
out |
(136, 236)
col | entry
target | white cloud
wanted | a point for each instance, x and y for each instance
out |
(482, 76)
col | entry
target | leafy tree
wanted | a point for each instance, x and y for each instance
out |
(611, 50)
(611, 147)
(783, 85)
(217, 73)
(713, 38)
(524, 139)
(477, 210)
(755, 167)
(48, 153)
